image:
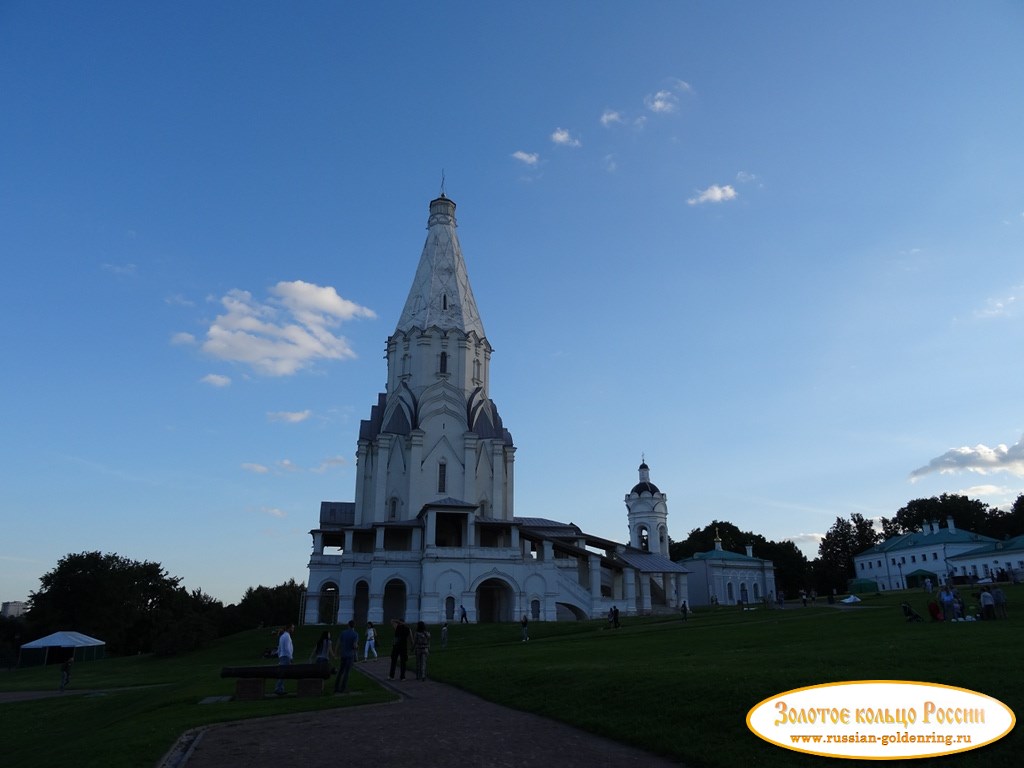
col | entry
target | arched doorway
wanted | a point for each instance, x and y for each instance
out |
(327, 609)
(394, 600)
(494, 601)
(360, 604)
(449, 608)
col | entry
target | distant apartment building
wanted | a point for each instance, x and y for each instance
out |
(12, 609)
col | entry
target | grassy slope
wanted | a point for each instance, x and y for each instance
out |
(682, 690)
(146, 704)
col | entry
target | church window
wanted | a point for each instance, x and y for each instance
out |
(393, 508)
(443, 365)
(644, 539)
(535, 610)
(444, 302)
(442, 477)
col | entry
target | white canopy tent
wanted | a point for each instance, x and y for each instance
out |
(61, 645)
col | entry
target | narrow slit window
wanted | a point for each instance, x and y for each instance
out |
(442, 477)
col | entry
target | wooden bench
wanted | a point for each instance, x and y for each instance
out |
(250, 684)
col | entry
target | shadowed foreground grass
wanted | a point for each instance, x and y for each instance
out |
(674, 688)
(142, 704)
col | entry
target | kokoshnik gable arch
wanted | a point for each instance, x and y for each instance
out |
(432, 530)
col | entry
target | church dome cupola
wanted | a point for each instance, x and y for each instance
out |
(645, 485)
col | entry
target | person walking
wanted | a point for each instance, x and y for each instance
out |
(348, 647)
(525, 623)
(399, 649)
(371, 642)
(421, 647)
(324, 651)
(285, 651)
(685, 610)
(65, 673)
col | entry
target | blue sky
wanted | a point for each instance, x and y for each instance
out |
(774, 248)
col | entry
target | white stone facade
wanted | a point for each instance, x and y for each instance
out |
(729, 578)
(904, 561)
(432, 528)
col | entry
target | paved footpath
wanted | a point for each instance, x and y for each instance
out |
(432, 725)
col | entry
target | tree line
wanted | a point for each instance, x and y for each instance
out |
(833, 566)
(137, 607)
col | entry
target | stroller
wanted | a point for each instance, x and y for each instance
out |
(909, 613)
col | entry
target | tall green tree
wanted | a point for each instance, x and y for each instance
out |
(107, 596)
(968, 514)
(834, 564)
(264, 607)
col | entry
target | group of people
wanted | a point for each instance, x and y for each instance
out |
(346, 651)
(950, 605)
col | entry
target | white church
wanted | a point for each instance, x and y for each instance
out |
(433, 530)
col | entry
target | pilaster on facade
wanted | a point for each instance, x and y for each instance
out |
(362, 465)
(629, 578)
(645, 595)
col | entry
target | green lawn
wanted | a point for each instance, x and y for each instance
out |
(680, 689)
(145, 705)
(683, 690)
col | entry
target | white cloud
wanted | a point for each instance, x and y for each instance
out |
(745, 178)
(980, 459)
(287, 465)
(119, 269)
(713, 194)
(610, 116)
(806, 538)
(528, 158)
(183, 339)
(330, 463)
(216, 380)
(681, 85)
(274, 512)
(177, 300)
(563, 138)
(661, 102)
(1001, 306)
(610, 164)
(289, 417)
(289, 331)
(259, 469)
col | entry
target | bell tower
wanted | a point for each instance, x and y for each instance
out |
(647, 514)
